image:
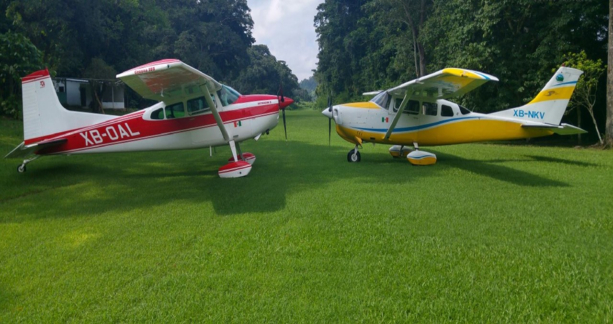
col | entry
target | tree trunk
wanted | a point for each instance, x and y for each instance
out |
(579, 124)
(591, 111)
(422, 58)
(609, 125)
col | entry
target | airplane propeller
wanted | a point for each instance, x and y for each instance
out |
(282, 99)
(329, 120)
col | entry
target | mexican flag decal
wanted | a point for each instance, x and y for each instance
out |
(385, 119)
(238, 124)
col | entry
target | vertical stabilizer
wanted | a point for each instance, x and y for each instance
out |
(43, 114)
(550, 104)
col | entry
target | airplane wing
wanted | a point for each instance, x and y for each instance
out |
(446, 83)
(170, 80)
(167, 80)
(23, 150)
(372, 93)
(562, 129)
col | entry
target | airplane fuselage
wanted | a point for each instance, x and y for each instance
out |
(244, 119)
(429, 124)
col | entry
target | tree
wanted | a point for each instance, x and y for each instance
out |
(413, 14)
(18, 58)
(99, 73)
(609, 125)
(264, 74)
(585, 92)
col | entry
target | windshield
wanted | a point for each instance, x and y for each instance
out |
(382, 100)
(464, 110)
(227, 95)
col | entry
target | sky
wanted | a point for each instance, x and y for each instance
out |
(286, 27)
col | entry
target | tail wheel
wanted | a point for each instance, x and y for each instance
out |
(354, 156)
(21, 168)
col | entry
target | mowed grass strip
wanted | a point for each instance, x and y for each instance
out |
(491, 233)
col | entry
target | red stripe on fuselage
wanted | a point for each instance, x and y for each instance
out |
(123, 130)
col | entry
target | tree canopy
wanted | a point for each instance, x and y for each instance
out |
(95, 39)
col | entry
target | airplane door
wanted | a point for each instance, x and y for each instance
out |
(412, 119)
(427, 117)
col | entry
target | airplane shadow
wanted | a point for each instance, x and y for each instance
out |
(124, 182)
(562, 161)
(492, 169)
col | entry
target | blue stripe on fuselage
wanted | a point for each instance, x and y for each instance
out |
(414, 128)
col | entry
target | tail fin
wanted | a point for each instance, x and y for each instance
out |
(44, 115)
(550, 104)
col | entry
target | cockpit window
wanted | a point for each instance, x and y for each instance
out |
(157, 114)
(412, 108)
(430, 109)
(464, 111)
(197, 106)
(397, 104)
(446, 111)
(382, 100)
(227, 95)
(175, 111)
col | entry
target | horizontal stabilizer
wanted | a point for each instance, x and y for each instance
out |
(23, 150)
(563, 129)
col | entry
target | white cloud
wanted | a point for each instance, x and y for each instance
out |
(286, 27)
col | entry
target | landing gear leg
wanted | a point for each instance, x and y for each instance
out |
(240, 156)
(354, 155)
(22, 167)
(416, 146)
(233, 149)
(240, 153)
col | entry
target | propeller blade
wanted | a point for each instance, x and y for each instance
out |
(330, 119)
(284, 124)
(329, 131)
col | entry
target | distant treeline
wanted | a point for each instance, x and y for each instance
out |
(370, 45)
(98, 39)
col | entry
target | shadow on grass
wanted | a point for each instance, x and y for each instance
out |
(499, 172)
(124, 182)
(563, 161)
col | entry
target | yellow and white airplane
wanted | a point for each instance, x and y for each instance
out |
(417, 113)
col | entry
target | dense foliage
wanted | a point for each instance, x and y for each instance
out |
(94, 39)
(382, 43)
(18, 57)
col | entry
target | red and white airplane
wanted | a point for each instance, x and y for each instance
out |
(194, 111)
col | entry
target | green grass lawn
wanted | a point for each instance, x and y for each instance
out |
(491, 233)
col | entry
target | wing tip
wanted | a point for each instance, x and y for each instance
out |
(150, 64)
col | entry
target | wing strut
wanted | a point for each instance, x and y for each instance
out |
(209, 101)
(403, 105)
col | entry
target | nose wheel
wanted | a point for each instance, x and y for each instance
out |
(354, 155)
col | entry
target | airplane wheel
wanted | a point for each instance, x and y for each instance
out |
(21, 168)
(351, 157)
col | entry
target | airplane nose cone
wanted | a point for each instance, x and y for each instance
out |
(326, 112)
(287, 102)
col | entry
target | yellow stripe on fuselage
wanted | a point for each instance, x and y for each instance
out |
(465, 131)
(366, 105)
(554, 94)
